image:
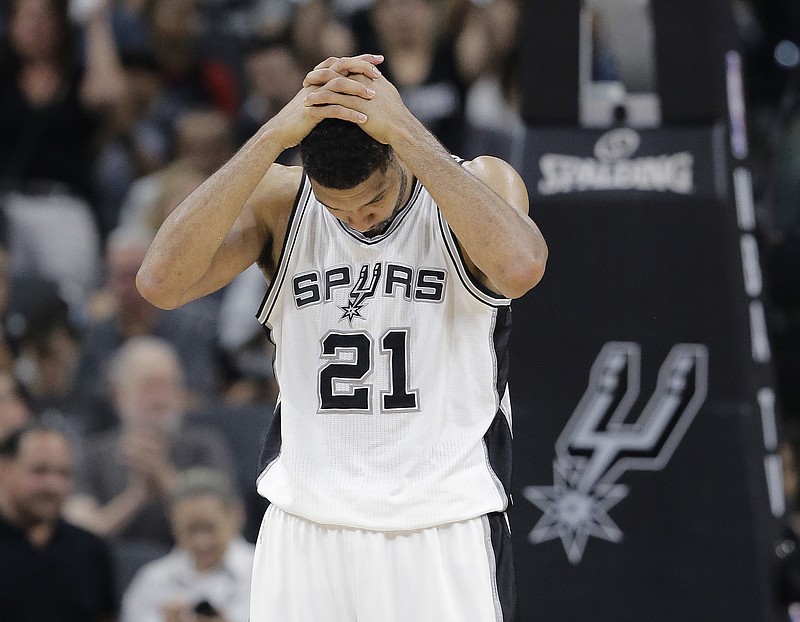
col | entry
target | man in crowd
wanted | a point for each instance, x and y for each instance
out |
(128, 473)
(50, 570)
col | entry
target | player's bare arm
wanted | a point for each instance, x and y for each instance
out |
(223, 226)
(485, 201)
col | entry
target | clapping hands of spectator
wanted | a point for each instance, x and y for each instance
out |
(146, 454)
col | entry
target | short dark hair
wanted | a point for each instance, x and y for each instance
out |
(339, 154)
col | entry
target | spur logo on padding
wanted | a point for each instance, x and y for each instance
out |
(386, 279)
(615, 168)
(599, 444)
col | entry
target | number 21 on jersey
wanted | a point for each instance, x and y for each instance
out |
(351, 360)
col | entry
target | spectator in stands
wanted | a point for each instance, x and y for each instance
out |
(128, 474)
(176, 183)
(14, 409)
(47, 362)
(204, 140)
(50, 570)
(50, 101)
(245, 347)
(266, 95)
(48, 96)
(134, 140)
(321, 29)
(192, 77)
(119, 313)
(210, 568)
(487, 50)
(420, 63)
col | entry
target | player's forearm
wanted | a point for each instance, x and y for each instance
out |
(194, 233)
(502, 241)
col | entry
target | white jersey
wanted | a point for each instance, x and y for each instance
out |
(392, 362)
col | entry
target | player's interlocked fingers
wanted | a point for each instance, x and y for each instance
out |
(336, 93)
(332, 67)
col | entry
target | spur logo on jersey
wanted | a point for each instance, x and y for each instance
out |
(379, 279)
(362, 290)
(599, 444)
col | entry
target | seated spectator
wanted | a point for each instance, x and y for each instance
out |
(321, 28)
(14, 409)
(119, 313)
(204, 140)
(245, 349)
(265, 95)
(486, 49)
(165, 190)
(210, 568)
(420, 62)
(127, 474)
(192, 77)
(133, 141)
(50, 570)
(48, 357)
(488, 55)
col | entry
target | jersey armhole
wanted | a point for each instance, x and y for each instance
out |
(295, 217)
(473, 286)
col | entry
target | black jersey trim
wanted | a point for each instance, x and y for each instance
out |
(501, 336)
(271, 444)
(475, 287)
(497, 439)
(292, 229)
(451, 240)
(404, 211)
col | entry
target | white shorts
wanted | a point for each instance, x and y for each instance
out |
(307, 572)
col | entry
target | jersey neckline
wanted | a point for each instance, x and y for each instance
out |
(401, 215)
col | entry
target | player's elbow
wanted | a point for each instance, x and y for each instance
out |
(524, 274)
(152, 289)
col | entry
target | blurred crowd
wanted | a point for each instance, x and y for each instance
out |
(112, 112)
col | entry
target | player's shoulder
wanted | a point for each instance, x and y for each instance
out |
(279, 185)
(501, 177)
(488, 166)
(275, 194)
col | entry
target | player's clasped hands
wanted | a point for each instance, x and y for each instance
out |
(347, 88)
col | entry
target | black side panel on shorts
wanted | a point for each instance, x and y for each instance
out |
(504, 565)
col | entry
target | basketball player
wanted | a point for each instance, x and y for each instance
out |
(391, 267)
